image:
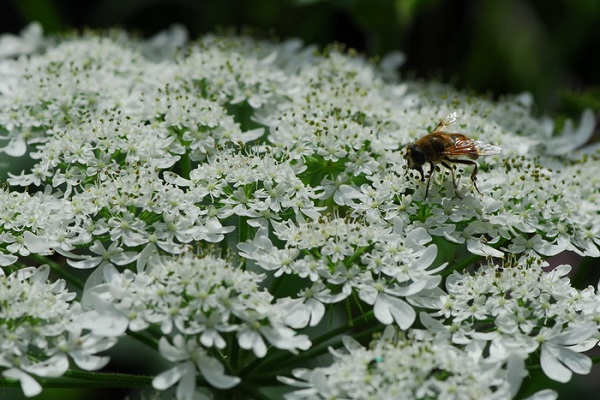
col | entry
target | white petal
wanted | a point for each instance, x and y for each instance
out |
(285, 338)
(576, 362)
(382, 311)
(351, 344)
(111, 274)
(169, 351)
(187, 384)
(392, 61)
(90, 362)
(174, 179)
(403, 313)
(15, 148)
(29, 386)
(252, 340)
(298, 317)
(111, 324)
(38, 244)
(41, 274)
(482, 249)
(368, 294)
(124, 257)
(427, 258)
(214, 374)
(571, 138)
(317, 311)
(575, 335)
(515, 372)
(167, 378)
(54, 367)
(7, 259)
(389, 309)
(85, 264)
(252, 134)
(418, 237)
(95, 344)
(546, 394)
(551, 366)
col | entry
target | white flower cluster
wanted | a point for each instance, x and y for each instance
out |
(200, 299)
(409, 366)
(475, 346)
(41, 330)
(340, 257)
(223, 195)
(32, 224)
(528, 309)
(194, 296)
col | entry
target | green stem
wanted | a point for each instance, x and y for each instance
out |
(533, 367)
(59, 270)
(144, 337)
(359, 252)
(107, 379)
(311, 354)
(185, 163)
(85, 379)
(234, 352)
(462, 264)
(319, 346)
(276, 284)
(250, 392)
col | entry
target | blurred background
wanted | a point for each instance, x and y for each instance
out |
(550, 48)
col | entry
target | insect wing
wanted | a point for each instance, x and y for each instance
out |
(462, 146)
(484, 149)
(446, 122)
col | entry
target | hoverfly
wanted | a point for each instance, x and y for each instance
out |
(440, 147)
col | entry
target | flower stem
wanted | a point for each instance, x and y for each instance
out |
(84, 379)
(319, 347)
(59, 270)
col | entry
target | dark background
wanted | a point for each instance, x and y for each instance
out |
(550, 48)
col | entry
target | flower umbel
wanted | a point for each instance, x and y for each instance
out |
(244, 208)
(40, 319)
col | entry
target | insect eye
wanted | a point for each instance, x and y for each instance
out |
(415, 155)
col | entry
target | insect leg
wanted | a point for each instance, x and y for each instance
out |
(420, 169)
(431, 170)
(473, 174)
(451, 168)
